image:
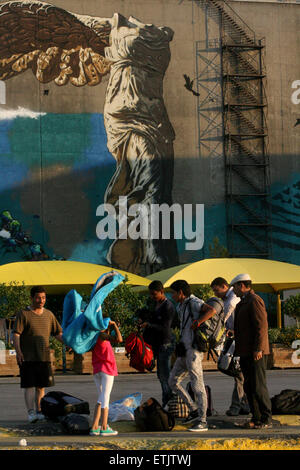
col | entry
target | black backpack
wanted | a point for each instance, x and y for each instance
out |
(287, 402)
(150, 416)
(55, 404)
(75, 424)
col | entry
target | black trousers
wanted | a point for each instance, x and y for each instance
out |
(256, 388)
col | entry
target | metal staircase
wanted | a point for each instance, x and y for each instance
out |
(245, 133)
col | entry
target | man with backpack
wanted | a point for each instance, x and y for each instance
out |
(192, 312)
(221, 288)
(158, 333)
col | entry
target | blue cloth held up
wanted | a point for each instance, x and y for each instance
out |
(81, 329)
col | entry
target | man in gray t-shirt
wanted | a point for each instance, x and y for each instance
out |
(190, 310)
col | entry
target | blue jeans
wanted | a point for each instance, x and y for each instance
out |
(164, 355)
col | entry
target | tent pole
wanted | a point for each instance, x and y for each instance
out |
(279, 324)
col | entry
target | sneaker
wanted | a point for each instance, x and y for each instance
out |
(32, 417)
(198, 427)
(232, 412)
(40, 416)
(95, 432)
(108, 432)
(191, 417)
(244, 412)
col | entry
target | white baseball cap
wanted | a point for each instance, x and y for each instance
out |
(240, 278)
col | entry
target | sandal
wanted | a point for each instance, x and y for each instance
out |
(247, 425)
(263, 425)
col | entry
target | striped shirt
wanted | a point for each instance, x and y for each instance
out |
(34, 330)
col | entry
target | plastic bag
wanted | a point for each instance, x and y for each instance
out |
(123, 409)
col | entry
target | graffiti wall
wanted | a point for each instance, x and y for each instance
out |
(99, 138)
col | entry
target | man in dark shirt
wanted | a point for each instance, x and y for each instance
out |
(32, 329)
(159, 333)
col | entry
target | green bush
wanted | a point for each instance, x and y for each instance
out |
(121, 305)
(13, 297)
(284, 336)
(204, 292)
(291, 307)
(57, 347)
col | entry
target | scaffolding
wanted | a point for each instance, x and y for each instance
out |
(244, 130)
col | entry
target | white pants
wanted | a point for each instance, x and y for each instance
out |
(104, 385)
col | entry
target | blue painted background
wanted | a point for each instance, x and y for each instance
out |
(60, 161)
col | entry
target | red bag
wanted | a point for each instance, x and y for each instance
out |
(140, 353)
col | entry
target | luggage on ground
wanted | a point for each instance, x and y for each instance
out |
(287, 402)
(210, 409)
(55, 404)
(227, 363)
(177, 407)
(139, 352)
(75, 424)
(211, 333)
(151, 416)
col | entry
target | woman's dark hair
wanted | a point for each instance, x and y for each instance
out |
(183, 286)
(37, 290)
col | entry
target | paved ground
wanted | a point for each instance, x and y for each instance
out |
(13, 416)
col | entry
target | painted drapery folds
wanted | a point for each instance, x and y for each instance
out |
(67, 48)
(139, 133)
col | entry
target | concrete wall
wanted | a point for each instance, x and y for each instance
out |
(55, 165)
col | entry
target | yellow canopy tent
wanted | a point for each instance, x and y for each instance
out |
(267, 276)
(60, 276)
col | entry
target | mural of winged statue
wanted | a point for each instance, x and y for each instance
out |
(74, 49)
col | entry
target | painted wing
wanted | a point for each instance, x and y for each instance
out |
(55, 44)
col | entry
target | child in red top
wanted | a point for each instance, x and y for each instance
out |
(104, 370)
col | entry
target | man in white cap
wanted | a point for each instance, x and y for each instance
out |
(252, 346)
(239, 403)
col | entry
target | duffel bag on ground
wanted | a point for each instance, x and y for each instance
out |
(150, 416)
(177, 407)
(287, 402)
(75, 424)
(56, 403)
